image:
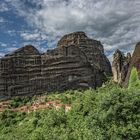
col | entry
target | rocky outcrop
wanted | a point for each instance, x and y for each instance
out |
(120, 66)
(135, 62)
(93, 49)
(16, 70)
(77, 62)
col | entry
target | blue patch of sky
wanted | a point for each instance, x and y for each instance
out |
(11, 28)
(31, 5)
(14, 25)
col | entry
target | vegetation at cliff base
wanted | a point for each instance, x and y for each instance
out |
(107, 113)
(134, 81)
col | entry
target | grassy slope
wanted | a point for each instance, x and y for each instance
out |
(109, 112)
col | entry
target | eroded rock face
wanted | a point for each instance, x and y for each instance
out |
(120, 66)
(77, 62)
(16, 70)
(135, 62)
(93, 50)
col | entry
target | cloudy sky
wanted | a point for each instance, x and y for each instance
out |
(116, 23)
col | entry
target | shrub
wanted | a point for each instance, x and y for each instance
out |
(108, 113)
(18, 101)
(134, 81)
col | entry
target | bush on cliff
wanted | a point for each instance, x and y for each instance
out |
(134, 81)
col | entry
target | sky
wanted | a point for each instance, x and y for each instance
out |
(116, 23)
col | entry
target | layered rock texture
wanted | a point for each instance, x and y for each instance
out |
(135, 62)
(77, 62)
(93, 50)
(123, 65)
(120, 66)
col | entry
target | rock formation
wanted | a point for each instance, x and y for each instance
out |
(120, 66)
(16, 70)
(135, 62)
(93, 49)
(77, 62)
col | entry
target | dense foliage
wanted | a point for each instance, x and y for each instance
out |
(107, 113)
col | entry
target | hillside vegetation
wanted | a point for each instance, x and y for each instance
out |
(107, 113)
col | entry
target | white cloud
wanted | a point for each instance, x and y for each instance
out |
(11, 49)
(29, 36)
(7, 48)
(3, 7)
(1, 54)
(114, 22)
(1, 20)
(3, 44)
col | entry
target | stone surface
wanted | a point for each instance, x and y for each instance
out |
(135, 62)
(16, 70)
(77, 62)
(120, 66)
(93, 50)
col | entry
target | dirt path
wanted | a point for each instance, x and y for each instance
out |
(56, 104)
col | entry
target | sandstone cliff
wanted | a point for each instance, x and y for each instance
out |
(93, 49)
(77, 62)
(120, 66)
(135, 62)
